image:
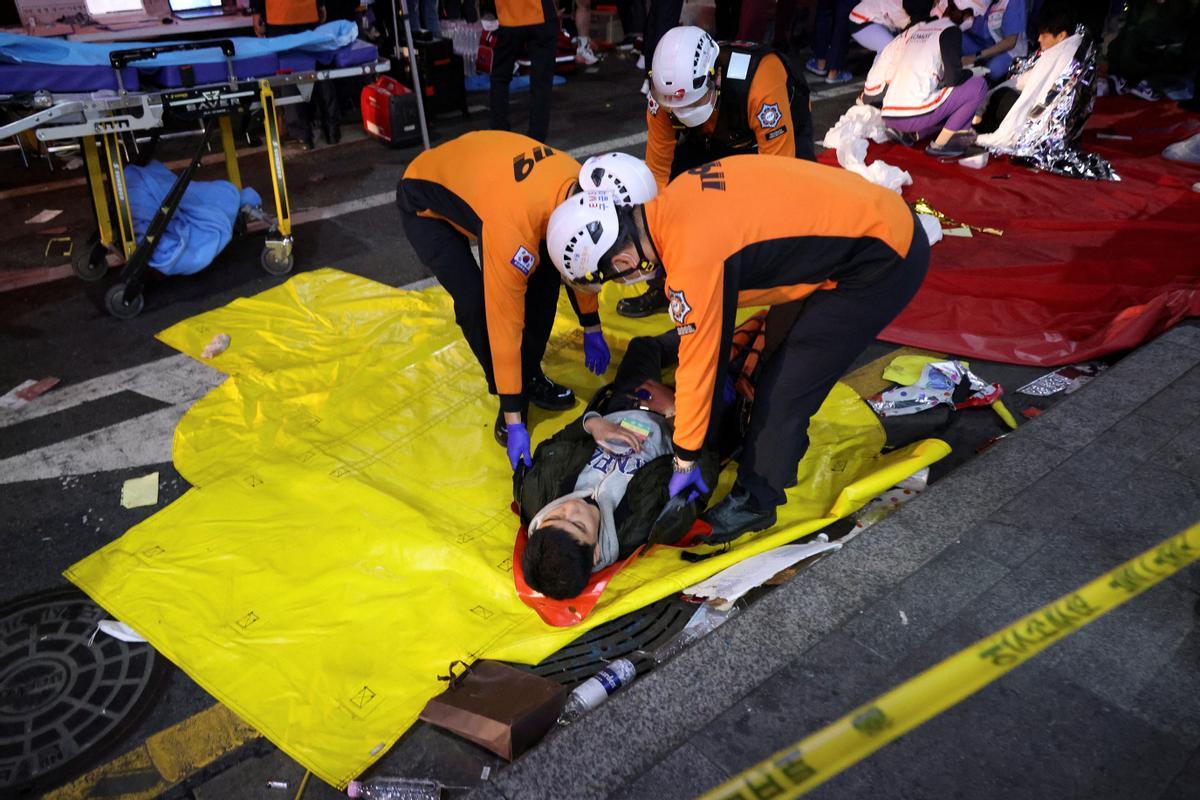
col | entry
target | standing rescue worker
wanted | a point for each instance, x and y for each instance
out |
(749, 231)
(531, 25)
(279, 17)
(500, 189)
(708, 101)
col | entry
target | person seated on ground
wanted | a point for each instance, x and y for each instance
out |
(597, 487)
(919, 82)
(1157, 46)
(996, 38)
(1038, 115)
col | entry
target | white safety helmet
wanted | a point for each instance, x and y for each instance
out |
(626, 176)
(581, 230)
(683, 74)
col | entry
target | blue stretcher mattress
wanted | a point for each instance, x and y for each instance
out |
(19, 78)
(26, 76)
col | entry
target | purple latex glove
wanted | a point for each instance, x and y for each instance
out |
(728, 392)
(595, 352)
(518, 445)
(683, 480)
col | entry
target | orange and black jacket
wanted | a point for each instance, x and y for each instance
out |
(754, 231)
(768, 116)
(519, 13)
(499, 188)
(288, 12)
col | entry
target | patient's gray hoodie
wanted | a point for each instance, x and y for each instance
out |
(607, 474)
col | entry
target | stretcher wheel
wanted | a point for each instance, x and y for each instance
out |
(91, 261)
(277, 262)
(120, 306)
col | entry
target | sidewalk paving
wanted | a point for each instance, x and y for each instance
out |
(1113, 711)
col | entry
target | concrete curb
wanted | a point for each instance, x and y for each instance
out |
(656, 715)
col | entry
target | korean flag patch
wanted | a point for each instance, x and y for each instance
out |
(768, 116)
(523, 260)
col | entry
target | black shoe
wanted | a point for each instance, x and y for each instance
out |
(901, 137)
(952, 149)
(650, 302)
(545, 393)
(735, 515)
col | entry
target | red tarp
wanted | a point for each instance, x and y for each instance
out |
(1084, 267)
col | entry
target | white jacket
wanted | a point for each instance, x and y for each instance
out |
(888, 13)
(909, 71)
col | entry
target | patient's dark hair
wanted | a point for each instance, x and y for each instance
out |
(1056, 17)
(918, 10)
(556, 564)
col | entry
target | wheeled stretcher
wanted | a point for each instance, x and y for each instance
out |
(100, 105)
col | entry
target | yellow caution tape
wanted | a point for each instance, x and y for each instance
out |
(818, 757)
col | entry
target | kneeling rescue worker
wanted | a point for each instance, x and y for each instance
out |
(749, 231)
(709, 101)
(500, 188)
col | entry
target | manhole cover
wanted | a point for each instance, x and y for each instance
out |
(61, 698)
(633, 636)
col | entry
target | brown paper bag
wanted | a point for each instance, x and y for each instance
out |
(498, 707)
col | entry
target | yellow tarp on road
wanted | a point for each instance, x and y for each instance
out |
(349, 531)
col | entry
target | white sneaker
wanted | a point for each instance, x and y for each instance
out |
(1188, 150)
(645, 87)
(1145, 91)
(641, 62)
(584, 54)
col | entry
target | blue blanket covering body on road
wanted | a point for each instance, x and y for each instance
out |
(202, 225)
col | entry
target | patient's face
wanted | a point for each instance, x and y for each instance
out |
(578, 518)
(1046, 40)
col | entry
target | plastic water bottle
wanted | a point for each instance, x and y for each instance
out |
(384, 788)
(596, 689)
(706, 619)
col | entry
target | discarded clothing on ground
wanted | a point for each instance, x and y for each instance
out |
(202, 225)
(848, 137)
(349, 534)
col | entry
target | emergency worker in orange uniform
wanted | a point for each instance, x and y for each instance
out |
(500, 188)
(749, 231)
(531, 25)
(710, 100)
(279, 17)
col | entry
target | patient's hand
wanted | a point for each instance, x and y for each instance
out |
(612, 438)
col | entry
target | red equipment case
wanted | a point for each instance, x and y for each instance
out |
(389, 112)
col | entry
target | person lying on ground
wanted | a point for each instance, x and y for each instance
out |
(499, 189)
(752, 231)
(1037, 116)
(919, 82)
(597, 487)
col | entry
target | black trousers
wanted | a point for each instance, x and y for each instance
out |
(298, 118)
(830, 331)
(447, 254)
(661, 16)
(540, 43)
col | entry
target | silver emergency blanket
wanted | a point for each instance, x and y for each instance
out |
(1047, 138)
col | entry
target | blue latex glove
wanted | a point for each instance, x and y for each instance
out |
(595, 352)
(683, 480)
(518, 445)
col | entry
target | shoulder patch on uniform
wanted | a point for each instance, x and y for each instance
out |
(523, 260)
(768, 115)
(678, 307)
(777, 132)
(652, 105)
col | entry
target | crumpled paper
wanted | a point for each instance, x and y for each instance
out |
(849, 137)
